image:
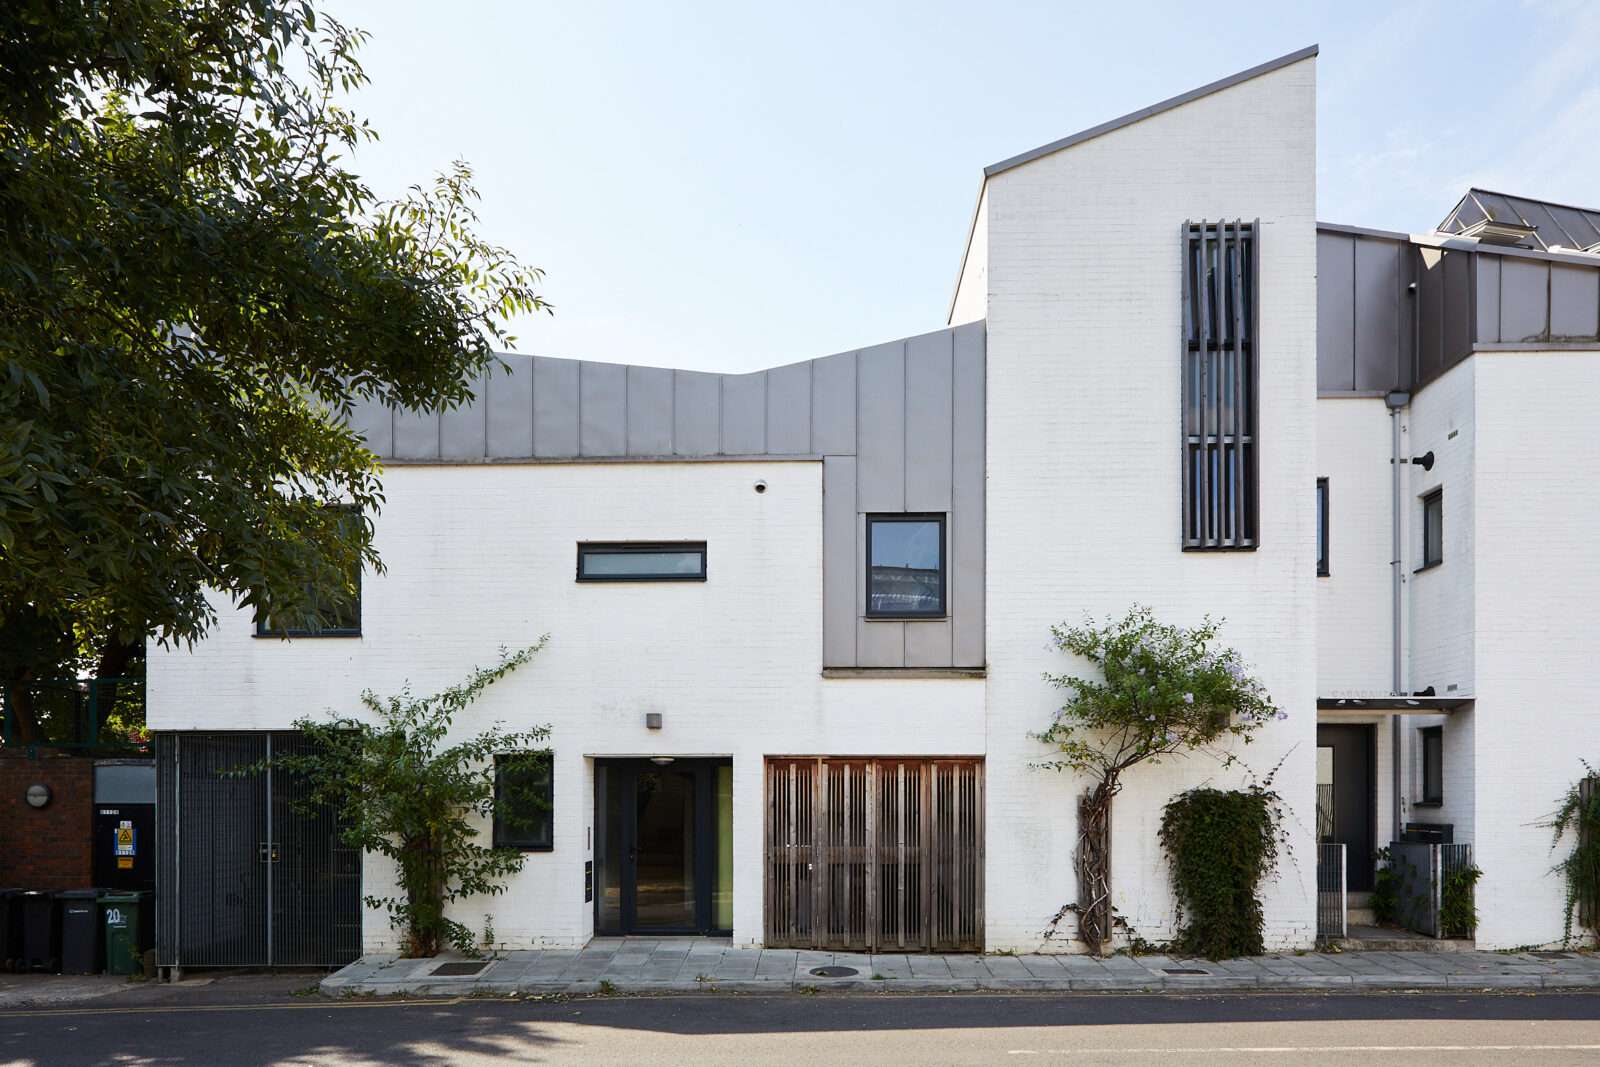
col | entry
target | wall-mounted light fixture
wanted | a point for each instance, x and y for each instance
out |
(38, 795)
(1425, 461)
(661, 761)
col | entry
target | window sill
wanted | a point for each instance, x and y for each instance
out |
(1324, 574)
(905, 618)
(295, 635)
(905, 672)
(1427, 804)
(526, 848)
(1428, 567)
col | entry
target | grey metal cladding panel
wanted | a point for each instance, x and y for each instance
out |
(1379, 289)
(880, 644)
(697, 413)
(1457, 340)
(789, 410)
(602, 409)
(1574, 303)
(927, 644)
(1524, 300)
(510, 398)
(880, 428)
(833, 405)
(744, 414)
(1488, 299)
(649, 407)
(966, 526)
(555, 407)
(1430, 304)
(463, 431)
(928, 447)
(839, 561)
(416, 434)
(374, 421)
(1335, 312)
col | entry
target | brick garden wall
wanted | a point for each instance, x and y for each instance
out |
(46, 848)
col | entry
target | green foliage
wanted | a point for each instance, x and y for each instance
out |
(406, 790)
(1221, 844)
(1386, 883)
(1578, 817)
(194, 291)
(1458, 912)
(1162, 689)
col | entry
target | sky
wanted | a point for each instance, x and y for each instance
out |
(729, 186)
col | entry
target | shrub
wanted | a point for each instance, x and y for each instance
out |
(1220, 844)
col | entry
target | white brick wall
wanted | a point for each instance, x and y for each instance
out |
(1083, 327)
(1441, 607)
(1354, 627)
(484, 556)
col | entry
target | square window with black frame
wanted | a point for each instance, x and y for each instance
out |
(524, 801)
(905, 566)
(1432, 529)
(1220, 368)
(335, 605)
(1432, 764)
(1322, 527)
(642, 561)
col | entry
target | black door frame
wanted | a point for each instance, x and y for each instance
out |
(1368, 747)
(703, 770)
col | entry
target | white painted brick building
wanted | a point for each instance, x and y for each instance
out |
(1028, 463)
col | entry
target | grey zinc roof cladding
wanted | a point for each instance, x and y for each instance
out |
(1554, 224)
(1154, 109)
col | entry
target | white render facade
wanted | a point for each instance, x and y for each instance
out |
(1041, 431)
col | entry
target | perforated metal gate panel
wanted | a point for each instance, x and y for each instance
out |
(874, 854)
(244, 876)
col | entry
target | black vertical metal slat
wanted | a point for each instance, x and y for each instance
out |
(1187, 392)
(167, 889)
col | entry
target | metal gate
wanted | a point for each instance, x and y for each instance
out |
(244, 878)
(874, 854)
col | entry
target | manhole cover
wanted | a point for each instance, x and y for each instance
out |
(1184, 970)
(457, 969)
(834, 972)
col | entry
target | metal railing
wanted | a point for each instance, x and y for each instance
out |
(81, 713)
(1421, 871)
(1333, 895)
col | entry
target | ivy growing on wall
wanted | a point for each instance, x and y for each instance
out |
(1578, 819)
(1221, 845)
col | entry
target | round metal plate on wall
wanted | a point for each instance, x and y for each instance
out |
(38, 795)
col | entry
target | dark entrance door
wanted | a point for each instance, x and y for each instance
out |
(663, 846)
(1345, 809)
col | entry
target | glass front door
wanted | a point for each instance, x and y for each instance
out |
(663, 846)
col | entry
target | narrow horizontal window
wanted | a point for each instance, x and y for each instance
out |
(524, 796)
(628, 561)
(1433, 528)
(905, 566)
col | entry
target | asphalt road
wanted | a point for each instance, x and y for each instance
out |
(708, 1030)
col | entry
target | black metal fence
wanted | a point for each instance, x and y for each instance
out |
(1333, 897)
(247, 876)
(77, 713)
(1421, 870)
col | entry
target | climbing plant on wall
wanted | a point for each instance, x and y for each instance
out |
(1152, 690)
(1577, 819)
(1221, 845)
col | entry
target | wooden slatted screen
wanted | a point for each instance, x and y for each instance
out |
(874, 854)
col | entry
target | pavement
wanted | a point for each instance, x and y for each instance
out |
(1254, 1030)
(712, 965)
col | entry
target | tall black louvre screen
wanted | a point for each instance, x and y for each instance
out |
(1220, 369)
(245, 876)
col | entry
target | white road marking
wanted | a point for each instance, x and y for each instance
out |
(1281, 1049)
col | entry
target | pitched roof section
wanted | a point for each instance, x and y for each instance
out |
(1154, 109)
(1498, 218)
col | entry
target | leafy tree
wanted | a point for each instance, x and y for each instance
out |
(404, 789)
(195, 289)
(1161, 690)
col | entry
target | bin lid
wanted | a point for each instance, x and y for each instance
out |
(124, 896)
(78, 894)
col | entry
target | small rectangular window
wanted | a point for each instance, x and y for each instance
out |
(1432, 764)
(1433, 529)
(1220, 365)
(905, 566)
(630, 561)
(1322, 527)
(337, 612)
(524, 801)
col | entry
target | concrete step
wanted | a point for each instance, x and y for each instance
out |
(1360, 917)
(1365, 938)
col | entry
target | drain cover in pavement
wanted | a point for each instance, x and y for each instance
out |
(1184, 970)
(454, 969)
(835, 972)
